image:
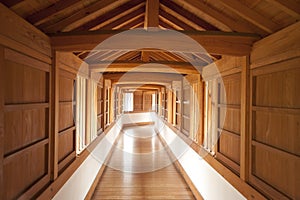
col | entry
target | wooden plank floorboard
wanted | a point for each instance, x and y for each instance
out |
(163, 182)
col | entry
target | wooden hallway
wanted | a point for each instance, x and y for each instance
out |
(123, 178)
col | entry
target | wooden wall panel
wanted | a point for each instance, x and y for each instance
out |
(276, 168)
(278, 89)
(20, 79)
(24, 170)
(66, 144)
(280, 130)
(26, 90)
(66, 89)
(138, 101)
(66, 114)
(66, 123)
(275, 116)
(22, 129)
(232, 120)
(229, 120)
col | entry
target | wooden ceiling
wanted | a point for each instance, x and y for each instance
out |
(236, 17)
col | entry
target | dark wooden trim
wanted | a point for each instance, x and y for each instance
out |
(26, 106)
(67, 160)
(266, 189)
(35, 189)
(72, 128)
(2, 85)
(8, 158)
(228, 162)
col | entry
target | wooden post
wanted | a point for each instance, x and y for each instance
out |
(88, 112)
(245, 140)
(1, 121)
(53, 138)
(152, 13)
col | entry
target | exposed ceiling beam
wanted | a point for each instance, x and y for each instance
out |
(218, 16)
(10, 3)
(51, 10)
(170, 23)
(82, 16)
(152, 13)
(145, 56)
(176, 21)
(184, 19)
(291, 7)
(190, 17)
(165, 25)
(137, 13)
(103, 18)
(250, 15)
(162, 67)
(129, 56)
(143, 78)
(132, 23)
(236, 44)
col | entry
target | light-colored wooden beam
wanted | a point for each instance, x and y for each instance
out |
(151, 14)
(110, 22)
(145, 57)
(196, 6)
(132, 22)
(81, 17)
(142, 77)
(170, 23)
(250, 15)
(291, 7)
(51, 10)
(245, 109)
(182, 21)
(236, 44)
(164, 67)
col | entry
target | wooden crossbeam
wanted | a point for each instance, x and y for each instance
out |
(251, 15)
(10, 3)
(100, 19)
(144, 78)
(84, 14)
(169, 23)
(191, 18)
(51, 10)
(176, 21)
(132, 24)
(138, 12)
(220, 43)
(224, 19)
(291, 7)
(162, 67)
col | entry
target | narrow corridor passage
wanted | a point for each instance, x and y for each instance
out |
(140, 168)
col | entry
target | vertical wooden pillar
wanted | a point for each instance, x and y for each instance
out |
(245, 140)
(152, 13)
(54, 104)
(88, 112)
(1, 121)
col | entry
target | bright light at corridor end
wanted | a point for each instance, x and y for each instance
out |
(171, 41)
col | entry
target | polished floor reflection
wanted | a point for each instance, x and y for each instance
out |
(140, 168)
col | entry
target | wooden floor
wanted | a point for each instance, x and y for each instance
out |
(140, 169)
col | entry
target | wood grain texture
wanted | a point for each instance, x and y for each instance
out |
(165, 183)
